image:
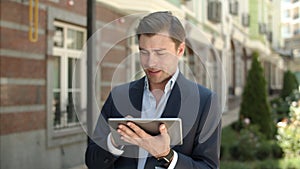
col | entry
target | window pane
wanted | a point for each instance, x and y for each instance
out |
(56, 109)
(58, 38)
(73, 73)
(79, 40)
(71, 39)
(56, 73)
(71, 110)
(75, 39)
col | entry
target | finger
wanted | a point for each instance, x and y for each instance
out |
(124, 130)
(163, 129)
(128, 139)
(140, 132)
(128, 135)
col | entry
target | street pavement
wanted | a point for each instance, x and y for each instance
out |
(230, 116)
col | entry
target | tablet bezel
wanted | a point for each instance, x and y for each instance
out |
(174, 126)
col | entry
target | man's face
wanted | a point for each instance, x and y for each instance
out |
(159, 58)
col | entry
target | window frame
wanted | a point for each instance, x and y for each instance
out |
(67, 135)
(65, 53)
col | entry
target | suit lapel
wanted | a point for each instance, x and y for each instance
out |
(171, 110)
(136, 90)
(176, 97)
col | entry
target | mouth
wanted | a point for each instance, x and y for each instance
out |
(153, 72)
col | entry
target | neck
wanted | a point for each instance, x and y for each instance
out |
(159, 86)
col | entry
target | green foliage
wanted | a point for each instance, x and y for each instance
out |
(248, 142)
(281, 107)
(227, 141)
(255, 104)
(234, 165)
(275, 160)
(290, 84)
(264, 150)
(237, 126)
(289, 132)
(293, 163)
(267, 164)
(251, 145)
(277, 151)
(290, 163)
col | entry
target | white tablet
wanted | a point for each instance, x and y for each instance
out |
(151, 126)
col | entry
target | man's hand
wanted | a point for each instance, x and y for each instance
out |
(157, 146)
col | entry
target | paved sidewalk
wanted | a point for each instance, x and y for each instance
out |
(80, 167)
(230, 116)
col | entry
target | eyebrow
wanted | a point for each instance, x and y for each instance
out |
(156, 50)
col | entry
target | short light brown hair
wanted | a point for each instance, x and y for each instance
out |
(160, 22)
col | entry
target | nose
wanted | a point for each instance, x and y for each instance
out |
(152, 60)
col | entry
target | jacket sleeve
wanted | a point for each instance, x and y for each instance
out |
(98, 158)
(206, 152)
(97, 155)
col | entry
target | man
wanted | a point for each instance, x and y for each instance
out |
(163, 92)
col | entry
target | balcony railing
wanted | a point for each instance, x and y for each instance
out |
(234, 8)
(245, 19)
(262, 28)
(296, 16)
(214, 12)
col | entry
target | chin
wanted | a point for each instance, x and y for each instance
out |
(159, 80)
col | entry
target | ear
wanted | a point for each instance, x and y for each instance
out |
(180, 50)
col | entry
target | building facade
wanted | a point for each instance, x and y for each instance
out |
(44, 72)
(42, 103)
(290, 30)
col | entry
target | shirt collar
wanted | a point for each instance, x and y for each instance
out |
(170, 84)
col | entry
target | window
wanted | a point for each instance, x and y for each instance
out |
(286, 29)
(68, 83)
(287, 13)
(296, 13)
(135, 70)
(214, 11)
(297, 29)
(234, 7)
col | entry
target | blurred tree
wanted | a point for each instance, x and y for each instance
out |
(290, 83)
(255, 104)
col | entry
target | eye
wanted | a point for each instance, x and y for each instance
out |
(144, 52)
(161, 53)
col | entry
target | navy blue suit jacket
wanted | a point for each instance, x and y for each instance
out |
(196, 105)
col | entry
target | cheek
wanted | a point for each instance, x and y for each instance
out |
(170, 64)
(143, 61)
(172, 61)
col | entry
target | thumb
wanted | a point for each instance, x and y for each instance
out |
(163, 129)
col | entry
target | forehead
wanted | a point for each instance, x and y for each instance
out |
(156, 41)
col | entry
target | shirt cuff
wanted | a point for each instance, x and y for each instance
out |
(174, 161)
(111, 148)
